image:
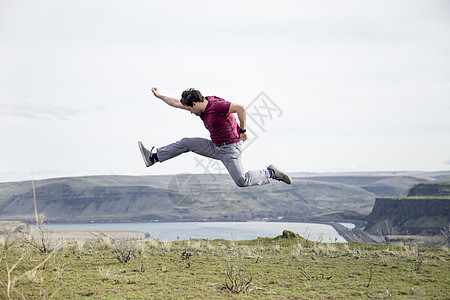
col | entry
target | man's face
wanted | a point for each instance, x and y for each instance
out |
(195, 109)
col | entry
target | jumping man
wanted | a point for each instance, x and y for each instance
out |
(226, 138)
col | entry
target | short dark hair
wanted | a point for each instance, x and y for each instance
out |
(191, 95)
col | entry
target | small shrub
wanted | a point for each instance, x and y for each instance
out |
(153, 244)
(384, 260)
(33, 275)
(39, 239)
(126, 251)
(105, 240)
(296, 250)
(7, 240)
(237, 279)
(79, 245)
(209, 246)
(196, 245)
(409, 252)
(59, 272)
(166, 246)
(276, 247)
(105, 273)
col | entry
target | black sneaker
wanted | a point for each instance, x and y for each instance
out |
(279, 175)
(146, 155)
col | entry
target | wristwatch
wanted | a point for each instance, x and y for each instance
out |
(242, 130)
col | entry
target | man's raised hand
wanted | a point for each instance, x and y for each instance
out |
(155, 92)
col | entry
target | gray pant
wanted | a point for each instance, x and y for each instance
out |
(229, 154)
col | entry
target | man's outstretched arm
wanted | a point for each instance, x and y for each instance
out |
(171, 101)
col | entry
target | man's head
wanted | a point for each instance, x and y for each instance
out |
(193, 99)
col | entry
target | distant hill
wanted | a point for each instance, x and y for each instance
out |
(313, 197)
(425, 210)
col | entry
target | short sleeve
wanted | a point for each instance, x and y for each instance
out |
(221, 106)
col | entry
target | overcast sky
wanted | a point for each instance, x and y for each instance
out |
(330, 86)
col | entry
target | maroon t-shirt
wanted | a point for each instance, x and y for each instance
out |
(221, 125)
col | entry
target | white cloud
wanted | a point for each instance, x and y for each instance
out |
(31, 110)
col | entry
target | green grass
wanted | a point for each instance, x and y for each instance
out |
(279, 269)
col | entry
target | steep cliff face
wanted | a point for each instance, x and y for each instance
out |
(430, 189)
(425, 211)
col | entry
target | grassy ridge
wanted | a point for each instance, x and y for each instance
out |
(263, 268)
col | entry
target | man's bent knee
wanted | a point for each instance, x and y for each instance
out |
(241, 182)
(185, 144)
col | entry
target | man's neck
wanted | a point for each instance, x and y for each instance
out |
(203, 105)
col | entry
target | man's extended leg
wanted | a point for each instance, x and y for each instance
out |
(200, 146)
(230, 155)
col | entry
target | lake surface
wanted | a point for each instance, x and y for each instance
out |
(233, 231)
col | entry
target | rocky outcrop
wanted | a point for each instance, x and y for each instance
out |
(425, 211)
(430, 189)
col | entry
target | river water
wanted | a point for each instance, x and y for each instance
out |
(233, 231)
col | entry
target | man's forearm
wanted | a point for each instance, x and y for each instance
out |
(240, 110)
(168, 100)
(171, 101)
(242, 115)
